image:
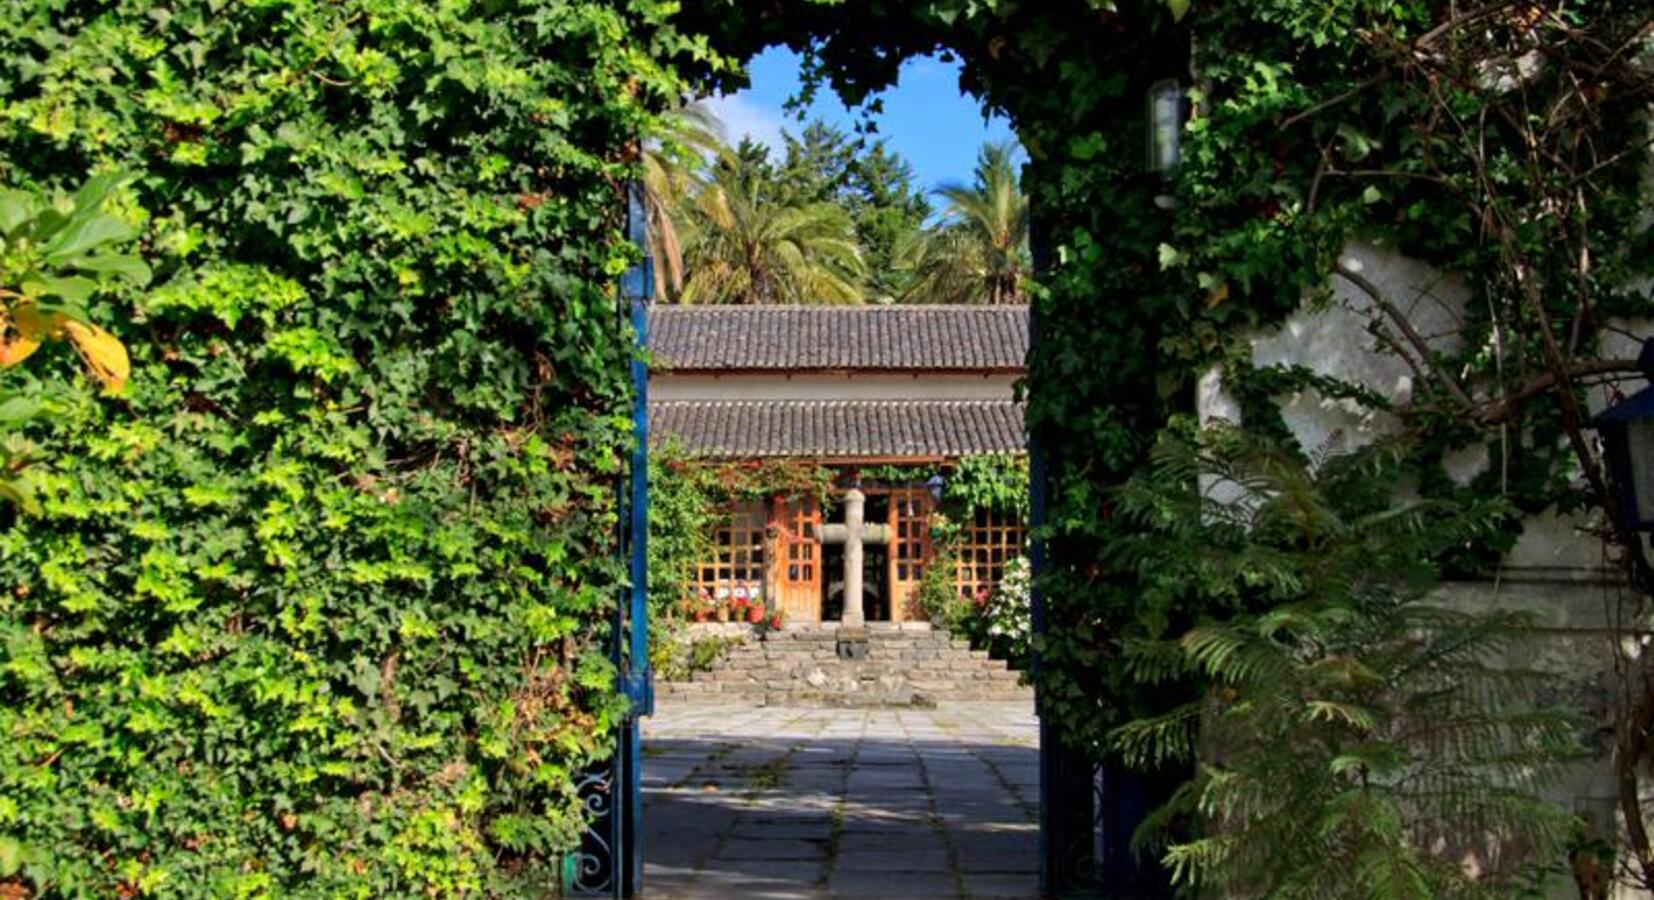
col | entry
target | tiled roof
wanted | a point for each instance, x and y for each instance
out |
(817, 338)
(841, 428)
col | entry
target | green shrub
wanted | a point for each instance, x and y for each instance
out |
(676, 654)
(311, 609)
(1354, 741)
(704, 653)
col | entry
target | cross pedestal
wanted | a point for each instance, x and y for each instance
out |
(852, 534)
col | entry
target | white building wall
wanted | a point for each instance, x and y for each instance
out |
(1334, 339)
(1556, 571)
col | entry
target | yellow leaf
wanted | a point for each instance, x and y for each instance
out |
(36, 325)
(102, 353)
(16, 350)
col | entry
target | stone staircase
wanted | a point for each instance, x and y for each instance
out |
(884, 665)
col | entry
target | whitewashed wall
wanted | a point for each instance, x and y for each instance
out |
(1556, 571)
(1334, 340)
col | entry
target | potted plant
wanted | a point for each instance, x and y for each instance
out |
(699, 605)
(755, 614)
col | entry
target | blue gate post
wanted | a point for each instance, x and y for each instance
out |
(609, 862)
(636, 288)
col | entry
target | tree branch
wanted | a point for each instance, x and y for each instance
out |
(1334, 100)
(1542, 383)
(1416, 340)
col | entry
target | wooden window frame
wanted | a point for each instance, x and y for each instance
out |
(986, 545)
(739, 553)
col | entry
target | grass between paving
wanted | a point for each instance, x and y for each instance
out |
(950, 849)
(835, 816)
(1029, 810)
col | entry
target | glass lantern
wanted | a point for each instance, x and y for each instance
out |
(1627, 431)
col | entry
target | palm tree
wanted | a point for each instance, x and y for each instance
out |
(674, 169)
(979, 252)
(742, 246)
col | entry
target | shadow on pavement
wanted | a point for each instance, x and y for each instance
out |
(825, 806)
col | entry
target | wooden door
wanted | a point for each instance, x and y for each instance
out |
(798, 576)
(909, 551)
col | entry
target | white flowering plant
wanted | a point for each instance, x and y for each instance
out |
(1006, 614)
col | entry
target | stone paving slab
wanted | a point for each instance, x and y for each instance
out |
(788, 803)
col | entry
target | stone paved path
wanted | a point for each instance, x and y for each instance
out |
(787, 802)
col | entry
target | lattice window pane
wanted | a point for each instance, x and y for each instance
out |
(737, 554)
(910, 515)
(985, 548)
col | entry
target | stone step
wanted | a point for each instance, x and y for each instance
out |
(903, 665)
(721, 674)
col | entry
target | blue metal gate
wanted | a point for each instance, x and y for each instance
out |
(610, 860)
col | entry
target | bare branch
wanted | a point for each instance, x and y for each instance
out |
(1334, 100)
(1540, 384)
(1417, 341)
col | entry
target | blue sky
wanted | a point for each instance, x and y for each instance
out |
(926, 119)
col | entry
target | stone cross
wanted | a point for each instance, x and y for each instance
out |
(852, 534)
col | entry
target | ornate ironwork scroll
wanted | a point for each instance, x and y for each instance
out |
(591, 871)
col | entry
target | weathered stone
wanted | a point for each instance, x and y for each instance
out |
(802, 666)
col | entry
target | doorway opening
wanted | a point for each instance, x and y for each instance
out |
(824, 753)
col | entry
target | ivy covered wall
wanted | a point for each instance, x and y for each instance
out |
(313, 607)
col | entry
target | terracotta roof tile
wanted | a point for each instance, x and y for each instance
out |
(888, 338)
(841, 428)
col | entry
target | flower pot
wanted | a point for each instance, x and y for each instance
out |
(755, 615)
(723, 614)
(701, 615)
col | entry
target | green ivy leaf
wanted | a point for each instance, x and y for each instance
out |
(82, 235)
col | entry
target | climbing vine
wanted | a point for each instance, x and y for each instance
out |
(316, 606)
(688, 495)
(349, 527)
(991, 481)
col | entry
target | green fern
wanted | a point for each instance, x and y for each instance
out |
(1355, 741)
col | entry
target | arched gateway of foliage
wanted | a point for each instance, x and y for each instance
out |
(318, 605)
(1073, 79)
(1502, 144)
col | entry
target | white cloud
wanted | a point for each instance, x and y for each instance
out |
(743, 118)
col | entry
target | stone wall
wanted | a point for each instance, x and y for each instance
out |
(893, 664)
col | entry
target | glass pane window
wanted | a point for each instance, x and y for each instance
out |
(992, 540)
(798, 521)
(736, 565)
(910, 514)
